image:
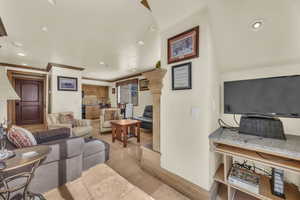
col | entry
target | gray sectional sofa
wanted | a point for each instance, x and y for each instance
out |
(66, 161)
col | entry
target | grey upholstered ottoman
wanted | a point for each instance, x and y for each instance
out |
(95, 151)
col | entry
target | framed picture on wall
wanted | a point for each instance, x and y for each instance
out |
(67, 83)
(144, 84)
(184, 46)
(182, 76)
(113, 91)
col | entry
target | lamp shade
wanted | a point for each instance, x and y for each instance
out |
(7, 92)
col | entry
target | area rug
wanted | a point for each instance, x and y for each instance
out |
(99, 182)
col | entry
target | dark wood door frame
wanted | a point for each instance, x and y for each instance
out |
(11, 106)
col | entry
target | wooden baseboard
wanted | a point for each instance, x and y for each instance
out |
(150, 162)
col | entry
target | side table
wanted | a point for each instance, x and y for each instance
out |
(20, 161)
(122, 130)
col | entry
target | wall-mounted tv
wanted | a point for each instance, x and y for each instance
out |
(278, 96)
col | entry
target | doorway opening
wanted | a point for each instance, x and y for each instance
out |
(30, 111)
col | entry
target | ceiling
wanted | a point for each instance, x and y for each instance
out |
(238, 46)
(82, 34)
(170, 12)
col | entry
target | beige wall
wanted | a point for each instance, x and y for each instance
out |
(65, 101)
(145, 98)
(184, 138)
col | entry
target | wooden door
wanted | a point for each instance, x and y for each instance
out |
(29, 110)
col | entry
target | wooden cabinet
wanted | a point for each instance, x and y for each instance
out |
(100, 91)
(92, 112)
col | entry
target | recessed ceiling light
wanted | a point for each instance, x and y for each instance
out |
(52, 2)
(17, 44)
(45, 28)
(101, 63)
(21, 54)
(141, 42)
(257, 24)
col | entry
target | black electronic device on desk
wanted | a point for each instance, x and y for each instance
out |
(262, 126)
(277, 182)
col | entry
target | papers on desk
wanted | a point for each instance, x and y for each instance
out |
(29, 154)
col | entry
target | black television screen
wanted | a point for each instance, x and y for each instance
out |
(278, 96)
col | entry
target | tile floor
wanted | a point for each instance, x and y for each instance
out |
(126, 161)
(96, 184)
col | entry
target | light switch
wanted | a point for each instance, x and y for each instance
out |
(195, 113)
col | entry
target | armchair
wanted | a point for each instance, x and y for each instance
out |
(147, 118)
(77, 127)
(106, 116)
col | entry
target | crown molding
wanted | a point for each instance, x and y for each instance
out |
(50, 65)
(131, 76)
(22, 67)
(96, 79)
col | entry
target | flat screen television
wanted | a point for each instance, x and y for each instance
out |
(278, 96)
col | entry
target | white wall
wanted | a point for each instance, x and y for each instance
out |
(145, 98)
(184, 139)
(65, 101)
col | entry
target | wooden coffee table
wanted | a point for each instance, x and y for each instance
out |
(122, 130)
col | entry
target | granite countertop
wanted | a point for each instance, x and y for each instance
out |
(287, 148)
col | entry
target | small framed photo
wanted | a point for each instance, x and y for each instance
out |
(184, 46)
(182, 76)
(113, 91)
(144, 84)
(67, 83)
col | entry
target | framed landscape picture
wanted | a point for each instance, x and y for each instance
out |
(184, 46)
(67, 83)
(144, 84)
(182, 76)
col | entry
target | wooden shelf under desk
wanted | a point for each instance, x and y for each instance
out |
(266, 159)
(230, 152)
(219, 175)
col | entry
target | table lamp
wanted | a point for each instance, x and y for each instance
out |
(7, 92)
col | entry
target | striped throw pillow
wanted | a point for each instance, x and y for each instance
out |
(21, 137)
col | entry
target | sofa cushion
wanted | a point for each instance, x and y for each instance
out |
(110, 115)
(63, 149)
(66, 118)
(92, 146)
(106, 124)
(81, 131)
(51, 135)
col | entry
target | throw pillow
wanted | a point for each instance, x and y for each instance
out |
(21, 137)
(66, 119)
(109, 115)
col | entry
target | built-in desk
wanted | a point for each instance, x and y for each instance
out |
(280, 154)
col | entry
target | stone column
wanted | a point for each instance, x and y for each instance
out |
(155, 78)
